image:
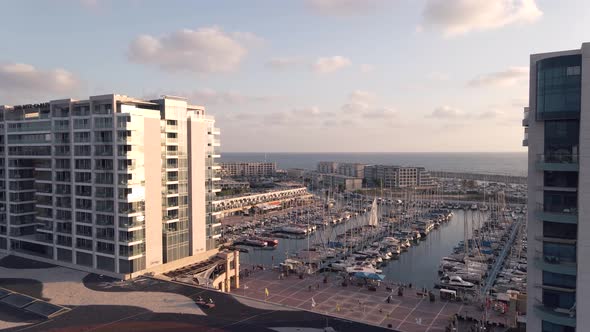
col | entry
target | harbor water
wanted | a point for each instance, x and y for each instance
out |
(418, 265)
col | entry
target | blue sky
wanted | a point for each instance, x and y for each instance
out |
(300, 75)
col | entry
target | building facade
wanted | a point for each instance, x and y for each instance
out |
(327, 167)
(246, 169)
(354, 170)
(112, 184)
(557, 124)
(390, 176)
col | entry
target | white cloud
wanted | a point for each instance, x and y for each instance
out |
(438, 76)
(456, 17)
(284, 62)
(367, 68)
(491, 114)
(359, 101)
(19, 79)
(205, 50)
(446, 112)
(362, 96)
(210, 96)
(381, 113)
(330, 64)
(508, 77)
(306, 112)
(343, 7)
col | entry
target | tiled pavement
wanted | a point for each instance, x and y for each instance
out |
(407, 313)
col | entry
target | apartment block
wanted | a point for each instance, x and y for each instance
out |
(390, 176)
(112, 184)
(557, 124)
(354, 170)
(248, 169)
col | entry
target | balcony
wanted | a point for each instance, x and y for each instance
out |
(555, 315)
(554, 264)
(564, 162)
(565, 215)
(525, 118)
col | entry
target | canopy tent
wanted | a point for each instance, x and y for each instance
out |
(369, 275)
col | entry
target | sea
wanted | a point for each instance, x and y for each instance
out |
(501, 163)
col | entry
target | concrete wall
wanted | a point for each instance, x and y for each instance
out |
(583, 248)
(197, 146)
(535, 196)
(153, 192)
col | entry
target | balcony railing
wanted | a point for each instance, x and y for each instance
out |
(555, 264)
(525, 119)
(565, 162)
(560, 316)
(558, 158)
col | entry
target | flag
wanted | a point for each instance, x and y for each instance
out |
(312, 303)
(266, 292)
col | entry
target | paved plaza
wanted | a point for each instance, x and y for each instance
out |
(410, 312)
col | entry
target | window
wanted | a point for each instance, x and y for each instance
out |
(83, 177)
(104, 164)
(81, 124)
(559, 253)
(561, 179)
(83, 163)
(560, 231)
(551, 327)
(559, 280)
(103, 122)
(574, 71)
(82, 137)
(104, 178)
(82, 150)
(559, 87)
(62, 163)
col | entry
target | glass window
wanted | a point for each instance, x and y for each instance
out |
(559, 252)
(560, 201)
(558, 280)
(561, 179)
(560, 231)
(557, 299)
(559, 87)
(562, 138)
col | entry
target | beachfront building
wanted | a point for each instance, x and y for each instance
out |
(248, 169)
(390, 176)
(335, 181)
(112, 184)
(558, 139)
(354, 170)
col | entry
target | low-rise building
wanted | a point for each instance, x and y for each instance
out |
(390, 176)
(355, 170)
(248, 169)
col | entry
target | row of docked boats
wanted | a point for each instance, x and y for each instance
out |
(470, 264)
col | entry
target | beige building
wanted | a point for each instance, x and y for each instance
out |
(390, 176)
(354, 170)
(247, 169)
(111, 184)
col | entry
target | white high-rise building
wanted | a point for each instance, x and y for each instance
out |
(557, 125)
(112, 184)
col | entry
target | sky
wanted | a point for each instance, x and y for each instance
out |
(300, 75)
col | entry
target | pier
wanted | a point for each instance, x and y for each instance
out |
(500, 261)
(480, 177)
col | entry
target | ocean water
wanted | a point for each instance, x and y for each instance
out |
(503, 163)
